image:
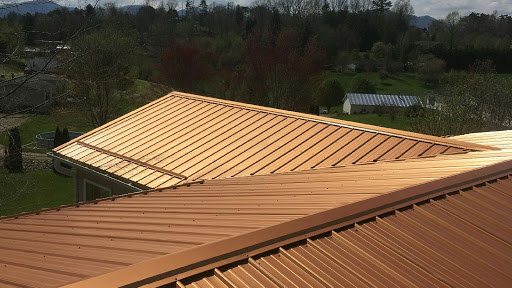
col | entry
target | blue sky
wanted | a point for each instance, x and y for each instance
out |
(435, 8)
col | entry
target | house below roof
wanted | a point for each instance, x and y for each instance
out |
(355, 103)
(182, 137)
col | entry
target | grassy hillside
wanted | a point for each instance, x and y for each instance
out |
(405, 83)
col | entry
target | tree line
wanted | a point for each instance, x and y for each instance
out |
(270, 53)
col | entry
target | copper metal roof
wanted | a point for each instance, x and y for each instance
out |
(454, 231)
(462, 239)
(75, 243)
(182, 136)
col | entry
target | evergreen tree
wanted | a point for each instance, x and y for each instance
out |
(65, 135)
(57, 139)
(203, 8)
(14, 158)
(381, 6)
(189, 6)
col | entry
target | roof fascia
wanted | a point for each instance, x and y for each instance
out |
(189, 262)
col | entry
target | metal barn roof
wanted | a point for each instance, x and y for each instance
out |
(53, 247)
(180, 137)
(383, 100)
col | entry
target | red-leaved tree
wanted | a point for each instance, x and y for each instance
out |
(186, 67)
(280, 70)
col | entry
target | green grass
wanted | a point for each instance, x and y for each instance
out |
(404, 83)
(34, 190)
(36, 124)
(15, 67)
(374, 119)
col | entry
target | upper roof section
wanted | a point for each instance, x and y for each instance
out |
(499, 139)
(383, 99)
(182, 136)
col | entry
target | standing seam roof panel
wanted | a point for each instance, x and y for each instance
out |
(202, 137)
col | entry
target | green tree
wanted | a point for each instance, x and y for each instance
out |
(14, 158)
(429, 68)
(452, 19)
(332, 93)
(99, 71)
(361, 84)
(470, 102)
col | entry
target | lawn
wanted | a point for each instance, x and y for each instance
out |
(13, 66)
(404, 83)
(34, 190)
(36, 124)
(374, 119)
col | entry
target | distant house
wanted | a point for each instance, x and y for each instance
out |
(354, 103)
(29, 91)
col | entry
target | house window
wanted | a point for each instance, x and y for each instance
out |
(95, 191)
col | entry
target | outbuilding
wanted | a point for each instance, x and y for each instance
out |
(355, 103)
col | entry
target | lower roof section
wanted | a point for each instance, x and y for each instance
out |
(461, 239)
(86, 242)
(471, 210)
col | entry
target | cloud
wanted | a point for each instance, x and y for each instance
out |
(440, 8)
(435, 8)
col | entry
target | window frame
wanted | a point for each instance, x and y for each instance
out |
(87, 181)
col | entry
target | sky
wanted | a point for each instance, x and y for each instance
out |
(435, 8)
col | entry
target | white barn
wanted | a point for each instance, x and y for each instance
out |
(355, 103)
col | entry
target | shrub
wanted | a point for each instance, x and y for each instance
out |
(360, 84)
(383, 75)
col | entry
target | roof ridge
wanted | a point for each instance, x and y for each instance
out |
(199, 259)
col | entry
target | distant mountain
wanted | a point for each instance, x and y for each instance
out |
(421, 21)
(132, 9)
(32, 7)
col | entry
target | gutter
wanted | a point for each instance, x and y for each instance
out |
(72, 173)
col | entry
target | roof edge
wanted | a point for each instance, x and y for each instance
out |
(169, 268)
